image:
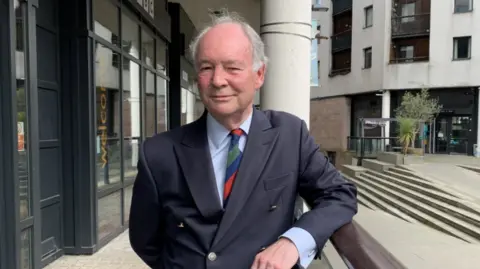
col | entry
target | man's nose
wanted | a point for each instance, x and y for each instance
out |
(218, 78)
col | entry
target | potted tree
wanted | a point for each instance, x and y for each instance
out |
(415, 110)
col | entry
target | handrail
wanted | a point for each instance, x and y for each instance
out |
(360, 250)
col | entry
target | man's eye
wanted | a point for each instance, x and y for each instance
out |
(205, 68)
(233, 68)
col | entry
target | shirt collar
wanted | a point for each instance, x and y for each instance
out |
(217, 133)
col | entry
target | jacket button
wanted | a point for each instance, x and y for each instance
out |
(212, 256)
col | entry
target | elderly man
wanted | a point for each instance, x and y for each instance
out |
(220, 192)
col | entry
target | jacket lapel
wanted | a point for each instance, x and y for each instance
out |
(260, 142)
(194, 157)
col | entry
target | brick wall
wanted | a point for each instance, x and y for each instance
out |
(330, 125)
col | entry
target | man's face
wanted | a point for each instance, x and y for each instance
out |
(226, 79)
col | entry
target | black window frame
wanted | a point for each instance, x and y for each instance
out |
(367, 64)
(455, 48)
(459, 8)
(365, 13)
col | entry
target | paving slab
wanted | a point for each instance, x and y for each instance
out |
(416, 245)
(119, 255)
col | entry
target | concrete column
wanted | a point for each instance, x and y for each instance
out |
(190, 106)
(134, 99)
(286, 30)
(478, 121)
(386, 113)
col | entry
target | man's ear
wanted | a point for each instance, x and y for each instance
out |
(260, 76)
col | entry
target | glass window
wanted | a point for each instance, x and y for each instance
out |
(105, 17)
(406, 52)
(25, 249)
(161, 105)
(192, 107)
(461, 47)
(130, 36)
(162, 54)
(131, 119)
(463, 5)
(149, 104)
(148, 48)
(22, 117)
(408, 12)
(109, 214)
(367, 55)
(127, 202)
(369, 16)
(108, 115)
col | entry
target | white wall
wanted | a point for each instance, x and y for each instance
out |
(359, 79)
(440, 71)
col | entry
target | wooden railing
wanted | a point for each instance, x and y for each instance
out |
(359, 250)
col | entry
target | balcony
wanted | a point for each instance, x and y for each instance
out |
(340, 6)
(411, 26)
(342, 41)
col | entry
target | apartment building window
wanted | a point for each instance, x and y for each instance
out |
(463, 6)
(407, 52)
(462, 47)
(408, 12)
(368, 16)
(367, 58)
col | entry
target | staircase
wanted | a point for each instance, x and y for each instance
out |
(412, 198)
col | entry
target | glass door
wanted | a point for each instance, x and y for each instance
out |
(451, 134)
(460, 128)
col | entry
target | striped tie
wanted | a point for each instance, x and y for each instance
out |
(233, 163)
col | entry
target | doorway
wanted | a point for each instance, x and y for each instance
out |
(50, 116)
(452, 133)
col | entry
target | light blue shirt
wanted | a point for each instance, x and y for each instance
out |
(219, 142)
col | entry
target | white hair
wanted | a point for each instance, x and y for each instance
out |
(258, 47)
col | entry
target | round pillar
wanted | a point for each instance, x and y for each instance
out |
(386, 114)
(286, 31)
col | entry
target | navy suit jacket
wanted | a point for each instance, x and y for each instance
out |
(177, 221)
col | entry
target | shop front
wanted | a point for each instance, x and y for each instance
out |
(83, 83)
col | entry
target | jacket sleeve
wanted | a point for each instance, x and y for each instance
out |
(332, 199)
(145, 223)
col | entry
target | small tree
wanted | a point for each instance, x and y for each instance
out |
(420, 107)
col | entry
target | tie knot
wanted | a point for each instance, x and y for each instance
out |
(237, 132)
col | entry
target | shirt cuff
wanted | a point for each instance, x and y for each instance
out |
(306, 246)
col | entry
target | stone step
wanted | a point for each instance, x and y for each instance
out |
(400, 169)
(475, 169)
(376, 165)
(439, 184)
(386, 196)
(429, 192)
(470, 217)
(377, 204)
(419, 182)
(448, 220)
(352, 170)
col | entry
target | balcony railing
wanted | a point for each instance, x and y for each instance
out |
(342, 41)
(415, 25)
(409, 60)
(340, 6)
(369, 147)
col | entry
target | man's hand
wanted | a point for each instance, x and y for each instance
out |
(283, 254)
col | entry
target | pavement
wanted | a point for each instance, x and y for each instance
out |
(117, 255)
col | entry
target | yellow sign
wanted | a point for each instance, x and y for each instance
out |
(103, 126)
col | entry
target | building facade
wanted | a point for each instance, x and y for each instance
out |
(380, 49)
(83, 83)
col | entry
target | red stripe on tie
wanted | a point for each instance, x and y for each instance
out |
(228, 186)
(237, 132)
